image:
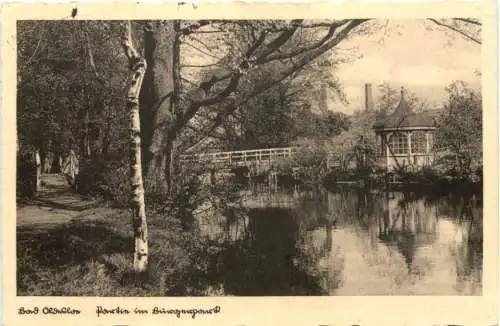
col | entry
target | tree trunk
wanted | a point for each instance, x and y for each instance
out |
(38, 163)
(83, 141)
(158, 102)
(137, 65)
(48, 162)
(172, 174)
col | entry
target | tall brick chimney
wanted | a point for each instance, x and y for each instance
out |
(368, 97)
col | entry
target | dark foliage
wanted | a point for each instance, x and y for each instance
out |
(26, 175)
(107, 179)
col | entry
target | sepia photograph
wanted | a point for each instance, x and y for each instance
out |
(270, 157)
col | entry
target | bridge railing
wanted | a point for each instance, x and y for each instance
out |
(231, 157)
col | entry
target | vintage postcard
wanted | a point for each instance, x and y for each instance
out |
(250, 164)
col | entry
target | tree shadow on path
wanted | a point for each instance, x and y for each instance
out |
(73, 242)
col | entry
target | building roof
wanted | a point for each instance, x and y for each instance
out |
(403, 117)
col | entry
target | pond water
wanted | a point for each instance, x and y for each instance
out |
(348, 242)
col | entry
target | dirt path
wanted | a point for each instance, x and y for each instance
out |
(56, 204)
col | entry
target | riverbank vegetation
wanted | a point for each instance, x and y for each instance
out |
(457, 149)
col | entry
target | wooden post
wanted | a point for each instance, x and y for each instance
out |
(387, 150)
(427, 148)
(276, 180)
(408, 139)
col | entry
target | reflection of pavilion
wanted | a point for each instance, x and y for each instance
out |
(407, 225)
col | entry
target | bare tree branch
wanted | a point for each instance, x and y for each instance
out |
(99, 78)
(36, 49)
(230, 88)
(200, 50)
(278, 41)
(455, 29)
(197, 40)
(470, 21)
(209, 32)
(287, 73)
(195, 106)
(194, 27)
(189, 81)
(258, 42)
(199, 66)
(331, 32)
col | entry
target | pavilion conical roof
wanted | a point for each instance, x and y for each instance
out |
(404, 117)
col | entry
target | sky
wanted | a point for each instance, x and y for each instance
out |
(409, 55)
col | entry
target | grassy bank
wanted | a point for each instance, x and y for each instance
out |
(94, 258)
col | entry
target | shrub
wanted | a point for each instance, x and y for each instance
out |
(459, 133)
(26, 175)
(106, 179)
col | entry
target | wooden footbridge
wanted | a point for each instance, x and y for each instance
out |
(232, 159)
(247, 158)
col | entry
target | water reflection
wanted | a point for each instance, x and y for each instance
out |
(349, 242)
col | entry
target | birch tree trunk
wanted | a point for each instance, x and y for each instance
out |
(137, 66)
(38, 163)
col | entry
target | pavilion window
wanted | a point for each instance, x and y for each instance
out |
(430, 138)
(419, 142)
(399, 143)
(381, 148)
